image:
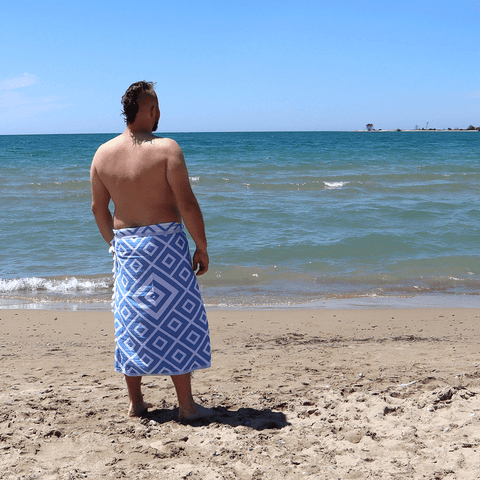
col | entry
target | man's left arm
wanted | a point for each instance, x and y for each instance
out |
(100, 201)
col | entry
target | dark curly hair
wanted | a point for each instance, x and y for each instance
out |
(130, 99)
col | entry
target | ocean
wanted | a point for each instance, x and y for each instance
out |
(292, 218)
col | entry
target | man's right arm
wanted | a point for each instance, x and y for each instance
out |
(177, 177)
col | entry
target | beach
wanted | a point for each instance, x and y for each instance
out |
(321, 393)
(342, 297)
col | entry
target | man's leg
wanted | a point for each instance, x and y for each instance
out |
(137, 405)
(187, 408)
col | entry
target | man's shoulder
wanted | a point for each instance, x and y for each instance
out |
(167, 143)
(169, 147)
(107, 146)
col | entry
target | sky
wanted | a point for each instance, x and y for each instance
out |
(240, 65)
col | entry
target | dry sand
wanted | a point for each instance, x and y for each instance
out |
(324, 394)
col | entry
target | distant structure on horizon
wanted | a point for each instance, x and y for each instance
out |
(370, 127)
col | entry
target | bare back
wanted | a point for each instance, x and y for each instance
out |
(146, 177)
(134, 170)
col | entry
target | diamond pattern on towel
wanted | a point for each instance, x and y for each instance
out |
(160, 322)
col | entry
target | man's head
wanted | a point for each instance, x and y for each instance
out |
(140, 97)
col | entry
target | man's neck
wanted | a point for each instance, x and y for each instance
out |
(138, 134)
(140, 129)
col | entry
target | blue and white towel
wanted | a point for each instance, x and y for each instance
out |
(161, 327)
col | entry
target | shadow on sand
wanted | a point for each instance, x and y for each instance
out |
(247, 417)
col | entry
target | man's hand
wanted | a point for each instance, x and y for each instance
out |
(200, 262)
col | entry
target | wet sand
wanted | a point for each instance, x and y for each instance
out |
(324, 394)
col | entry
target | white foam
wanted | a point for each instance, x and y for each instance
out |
(67, 285)
(332, 185)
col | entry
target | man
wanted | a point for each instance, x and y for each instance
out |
(160, 321)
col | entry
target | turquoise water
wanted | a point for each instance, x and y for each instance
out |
(291, 217)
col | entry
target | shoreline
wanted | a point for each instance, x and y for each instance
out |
(340, 302)
(421, 130)
(321, 394)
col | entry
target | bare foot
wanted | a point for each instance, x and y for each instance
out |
(139, 409)
(196, 413)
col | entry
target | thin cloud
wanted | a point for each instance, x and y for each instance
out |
(16, 106)
(474, 94)
(18, 82)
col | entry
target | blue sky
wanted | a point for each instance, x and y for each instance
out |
(259, 65)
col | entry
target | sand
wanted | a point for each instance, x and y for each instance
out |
(324, 394)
